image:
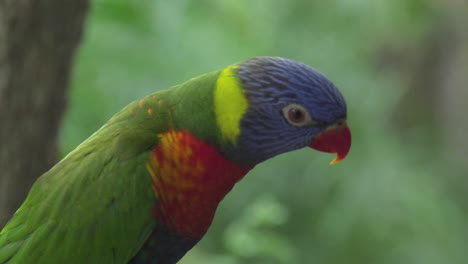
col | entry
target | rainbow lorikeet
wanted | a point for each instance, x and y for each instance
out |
(145, 187)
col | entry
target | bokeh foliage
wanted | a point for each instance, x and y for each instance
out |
(388, 202)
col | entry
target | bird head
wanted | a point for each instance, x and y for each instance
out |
(266, 106)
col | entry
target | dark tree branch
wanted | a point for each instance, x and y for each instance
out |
(38, 39)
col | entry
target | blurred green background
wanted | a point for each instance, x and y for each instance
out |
(402, 65)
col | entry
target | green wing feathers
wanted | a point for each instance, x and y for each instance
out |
(96, 205)
(93, 207)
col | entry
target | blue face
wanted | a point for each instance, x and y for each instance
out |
(289, 105)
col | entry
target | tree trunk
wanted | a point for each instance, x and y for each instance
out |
(37, 41)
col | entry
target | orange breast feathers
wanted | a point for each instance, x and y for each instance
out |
(190, 178)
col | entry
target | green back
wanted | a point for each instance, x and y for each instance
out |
(95, 206)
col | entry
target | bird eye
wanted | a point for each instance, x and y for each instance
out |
(297, 115)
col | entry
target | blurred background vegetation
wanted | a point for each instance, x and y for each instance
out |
(399, 197)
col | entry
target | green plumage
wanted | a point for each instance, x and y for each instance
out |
(100, 203)
(95, 206)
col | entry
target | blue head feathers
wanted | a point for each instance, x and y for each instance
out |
(289, 105)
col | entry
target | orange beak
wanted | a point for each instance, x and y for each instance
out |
(335, 139)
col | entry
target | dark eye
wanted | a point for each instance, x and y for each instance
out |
(297, 115)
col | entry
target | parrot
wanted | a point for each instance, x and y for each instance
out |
(144, 188)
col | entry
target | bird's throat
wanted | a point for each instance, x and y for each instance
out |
(190, 178)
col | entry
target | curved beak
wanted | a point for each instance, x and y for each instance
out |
(335, 139)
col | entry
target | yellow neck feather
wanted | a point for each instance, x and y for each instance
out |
(230, 103)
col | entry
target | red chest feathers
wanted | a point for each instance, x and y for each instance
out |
(190, 178)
